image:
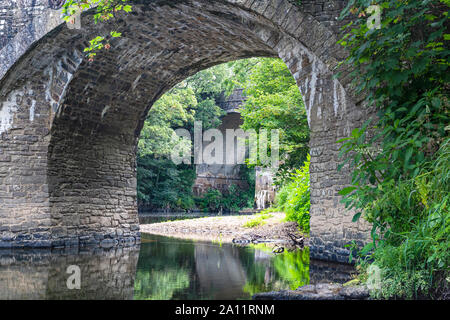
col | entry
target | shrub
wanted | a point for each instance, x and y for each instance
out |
(294, 197)
(237, 198)
(210, 201)
(233, 200)
(400, 165)
(414, 252)
(162, 184)
(258, 221)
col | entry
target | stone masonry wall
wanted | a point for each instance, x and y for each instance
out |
(221, 176)
(15, 15)
(69, 127)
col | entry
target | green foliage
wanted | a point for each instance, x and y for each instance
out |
(402, 69)
(194, 99)
(209, 87)
(274, 102)
(174, 109)
(104, 10)
(294, 197)
(414, 255)
(400, 179)
(211, 201)
(161, 183)
(294, 266)
(258, 221)
(160, 284)
(237, 198)
(296, 2)
(292, 269)
(233, 200)
(162, 271)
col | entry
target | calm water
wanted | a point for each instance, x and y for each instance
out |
(177, 269)
(160, 268)
(146, 218)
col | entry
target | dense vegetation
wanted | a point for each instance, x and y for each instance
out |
(161, 183)
(273, 102)
(401, 163)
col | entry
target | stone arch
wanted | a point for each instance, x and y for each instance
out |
(69, 128)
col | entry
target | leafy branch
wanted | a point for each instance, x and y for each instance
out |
(105, 10)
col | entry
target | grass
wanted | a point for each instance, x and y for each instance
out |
(258, 221)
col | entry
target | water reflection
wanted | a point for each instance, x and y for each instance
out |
(42, 274)
(182, 269)
(161, 268)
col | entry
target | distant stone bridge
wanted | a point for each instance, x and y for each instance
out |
(222, 176)
(69, 128)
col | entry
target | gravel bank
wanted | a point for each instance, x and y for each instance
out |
(225, 228)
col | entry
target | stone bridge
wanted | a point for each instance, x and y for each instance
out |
(222, 176)
(69, 127)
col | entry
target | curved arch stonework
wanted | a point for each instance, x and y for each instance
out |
(69, 127)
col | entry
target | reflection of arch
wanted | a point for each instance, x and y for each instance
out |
(230, 279)
(42, 274)
(69, 128)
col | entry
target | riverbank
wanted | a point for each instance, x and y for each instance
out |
(226, 228)
(320, 291)
(273, 227)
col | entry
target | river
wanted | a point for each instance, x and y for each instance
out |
(160, 268)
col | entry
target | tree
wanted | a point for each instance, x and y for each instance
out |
(173, 110)
(104, 10)
(274, 102)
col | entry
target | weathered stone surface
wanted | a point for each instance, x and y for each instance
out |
(221, 176)
(354, 292)
(265, 189)
(320, 291)
(69, 128)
